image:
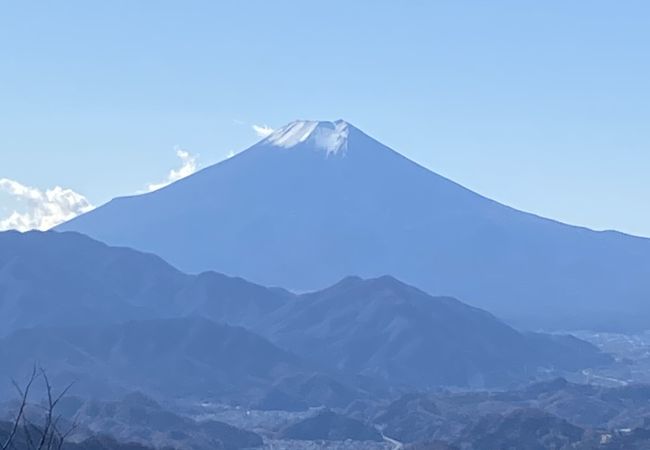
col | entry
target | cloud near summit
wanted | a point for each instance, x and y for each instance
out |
(188, 167)
(262, 130)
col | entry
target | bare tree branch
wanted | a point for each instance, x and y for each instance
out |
(28, 435)
(63, 436)
(46, 436)
(24, 395)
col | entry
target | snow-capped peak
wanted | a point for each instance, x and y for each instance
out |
(331, 137)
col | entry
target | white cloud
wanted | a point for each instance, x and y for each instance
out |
(187, 168)
(45, 209)
(262, 130)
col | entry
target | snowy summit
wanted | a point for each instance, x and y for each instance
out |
(331, 137)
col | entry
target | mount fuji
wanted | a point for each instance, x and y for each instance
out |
(317, 201)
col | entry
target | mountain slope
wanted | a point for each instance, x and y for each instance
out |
(57, 279)
(63, 279)
(378, 328)
(329, 426)
(525, 429)
(138, 418)
(317, 201)
(172, 357)
(385, 329)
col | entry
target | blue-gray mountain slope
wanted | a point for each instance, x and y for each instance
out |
(317, 201)
(81, 306)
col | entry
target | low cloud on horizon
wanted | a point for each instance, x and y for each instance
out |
(44, 209)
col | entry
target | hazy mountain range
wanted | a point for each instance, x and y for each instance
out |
(388, 307)
(317, 201)
(120, 318)
(531, 417)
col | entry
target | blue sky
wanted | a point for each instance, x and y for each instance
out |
(543, 106)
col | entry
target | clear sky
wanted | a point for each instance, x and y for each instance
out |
(544, 106)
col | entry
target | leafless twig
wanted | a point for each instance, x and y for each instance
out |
(46, 436)
(24, 395)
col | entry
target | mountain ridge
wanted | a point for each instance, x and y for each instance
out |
(378, 328)
(300, 218)
(169, 357)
